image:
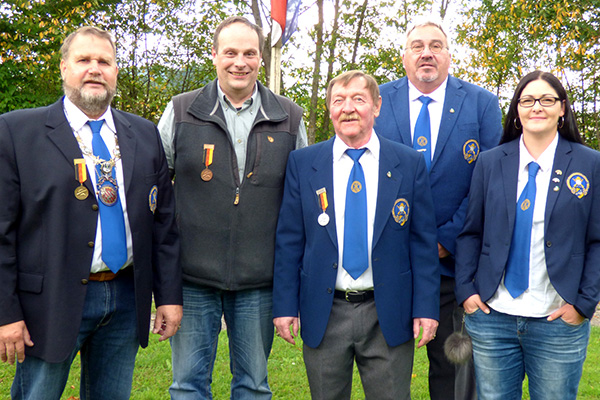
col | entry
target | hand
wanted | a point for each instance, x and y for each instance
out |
(13, 339)
(283, 328)
(442, 252)
(168, 320)
(569, 314)
(474, 303)
(429, 328)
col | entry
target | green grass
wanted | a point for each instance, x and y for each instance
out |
(286, 373)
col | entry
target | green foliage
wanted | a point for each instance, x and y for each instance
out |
(508, 38)
(164, 48)
(30, 56)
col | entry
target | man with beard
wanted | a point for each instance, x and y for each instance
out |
(450, 121)
(85, 191)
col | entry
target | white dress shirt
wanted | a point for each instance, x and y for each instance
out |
(436, 108)
(540, 299)
(342, 166)
(78, 122)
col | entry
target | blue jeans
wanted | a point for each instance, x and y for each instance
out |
(248, 315)
(108, 342)
(506, 347)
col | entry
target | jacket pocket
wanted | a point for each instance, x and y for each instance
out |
(32, 283)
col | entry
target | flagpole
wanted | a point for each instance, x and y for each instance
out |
(275, 75)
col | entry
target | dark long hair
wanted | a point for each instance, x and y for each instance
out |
(568, 130)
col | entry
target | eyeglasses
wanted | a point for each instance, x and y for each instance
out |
(547, 101)
(418, 48)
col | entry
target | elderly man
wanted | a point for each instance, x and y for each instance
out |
(355, 252)
(450, 122)
(87, 233)
(227, 145)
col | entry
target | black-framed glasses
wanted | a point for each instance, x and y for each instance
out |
(546, 101)
(418, 48)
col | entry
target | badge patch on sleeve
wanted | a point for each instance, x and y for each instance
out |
(471, 150)
(152, 198)
(578, 184)
(400, 211)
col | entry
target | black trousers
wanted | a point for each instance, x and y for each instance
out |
(446, 380)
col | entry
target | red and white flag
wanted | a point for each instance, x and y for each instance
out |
(284, 14)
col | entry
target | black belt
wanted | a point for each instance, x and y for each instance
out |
(354, 296)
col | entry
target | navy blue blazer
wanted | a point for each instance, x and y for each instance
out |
(471, 123)
(404, 257)
(571, 225)
(47, 235)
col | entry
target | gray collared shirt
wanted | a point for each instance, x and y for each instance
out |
(239, 123)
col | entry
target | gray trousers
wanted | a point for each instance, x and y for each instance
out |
(353, 334)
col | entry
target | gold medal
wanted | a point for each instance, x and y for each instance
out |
(81, 193)
(206, 175)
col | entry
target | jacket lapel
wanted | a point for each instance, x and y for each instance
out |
(60, 133)
(127, 145)
(510, 173)
(390, 178)
(323, 178)
(562, 159)
(453, 100)
(398, 100)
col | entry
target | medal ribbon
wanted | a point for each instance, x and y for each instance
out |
(323, 198)
(208, 154)
(80, 170)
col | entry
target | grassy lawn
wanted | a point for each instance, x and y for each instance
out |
(286, 373)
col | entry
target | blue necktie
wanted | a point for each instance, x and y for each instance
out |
(516, 278)
(355, 258)
(114, 243)
(422, 136)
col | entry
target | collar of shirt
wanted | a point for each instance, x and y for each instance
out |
(372, 146)
(78, 120)
(226, 104)
(438, 95)
(545, 160)
(436, 109)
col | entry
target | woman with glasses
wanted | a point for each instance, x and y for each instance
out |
(528, 258)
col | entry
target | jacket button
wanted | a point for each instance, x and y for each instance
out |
(95, 207)
(548, 244)
(84, 281)
(334, 265)
(329, 290)
(91, 244)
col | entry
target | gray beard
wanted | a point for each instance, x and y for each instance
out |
(88, 103)
(428, 79)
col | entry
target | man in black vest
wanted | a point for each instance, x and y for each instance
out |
(227, 145)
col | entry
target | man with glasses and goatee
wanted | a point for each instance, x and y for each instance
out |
(450, 122)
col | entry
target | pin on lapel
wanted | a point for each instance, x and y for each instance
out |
(452, 111)
(389, 174)
(558, 172)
